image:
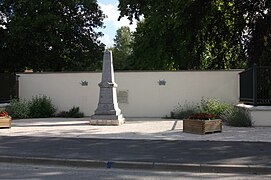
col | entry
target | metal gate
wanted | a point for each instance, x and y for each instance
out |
(255, 86)
(8, 87)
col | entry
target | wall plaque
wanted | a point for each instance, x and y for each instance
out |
(122, 96)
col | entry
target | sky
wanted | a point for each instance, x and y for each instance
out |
(110, 8)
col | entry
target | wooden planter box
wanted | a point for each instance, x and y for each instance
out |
(202, 126)
(5, 122)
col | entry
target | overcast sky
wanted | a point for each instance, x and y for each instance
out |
(110, 8)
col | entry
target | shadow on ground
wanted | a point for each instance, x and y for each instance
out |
(204, 152)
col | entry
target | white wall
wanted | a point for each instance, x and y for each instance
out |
(146, 98)
(260, 115)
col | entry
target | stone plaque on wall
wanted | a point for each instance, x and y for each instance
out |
(122, 96)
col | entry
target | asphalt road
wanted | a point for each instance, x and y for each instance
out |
(38, 172)
(203, 152)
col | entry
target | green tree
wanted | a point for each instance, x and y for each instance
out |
(260, 44)
(50, 35)
(152, 50)
(122, 48)
(196, 34)
(258, 41)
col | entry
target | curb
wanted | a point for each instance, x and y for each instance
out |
(200, 168)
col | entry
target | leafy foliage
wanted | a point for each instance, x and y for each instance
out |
(259, 47)
(50, 35)
(153, 50)
(210, 108)
(183, 112)
(18, 109)
(203, 116)
(122, 49)
(41, 107)
(3, 113)
(38, 107)
(214, 106)
(74, 112)
(237, 117)
(196, 34)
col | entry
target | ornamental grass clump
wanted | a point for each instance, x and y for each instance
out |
(237, 117)
(183, 112)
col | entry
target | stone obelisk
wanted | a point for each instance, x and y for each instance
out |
(108, 111)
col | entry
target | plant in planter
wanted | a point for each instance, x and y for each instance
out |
(202, 116)
(202, 123)
(5, 120)
(3, 114)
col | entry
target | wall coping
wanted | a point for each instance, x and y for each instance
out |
(78, 72)
(254, 108)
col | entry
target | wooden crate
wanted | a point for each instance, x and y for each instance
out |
(5, 122)
(202, 126)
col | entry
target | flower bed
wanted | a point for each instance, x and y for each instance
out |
(5, 120)
(202, 123)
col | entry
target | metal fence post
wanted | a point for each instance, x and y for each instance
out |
(254, 84)
(17, 86)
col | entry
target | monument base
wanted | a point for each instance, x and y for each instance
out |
(107, 120)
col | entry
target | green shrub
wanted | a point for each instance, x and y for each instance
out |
(41, 107)
(237, 117)
(62, 114)
(231, 115)
(18, 109)
(214, 106)
(74, 112)
(210, 106)
(182, 112)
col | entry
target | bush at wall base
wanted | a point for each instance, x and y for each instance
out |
(231, 115)
(74, 112)
(37, 107)
(41, 107)
(237, 117)
(18, 109)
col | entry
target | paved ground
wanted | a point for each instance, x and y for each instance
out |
(140, 143)
(134, 128)
(41, 172)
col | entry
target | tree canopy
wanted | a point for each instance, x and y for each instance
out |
(258, 41)
(50, 35)
(196, 34)
(122, 49)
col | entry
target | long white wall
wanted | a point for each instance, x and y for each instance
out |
(146, 98)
